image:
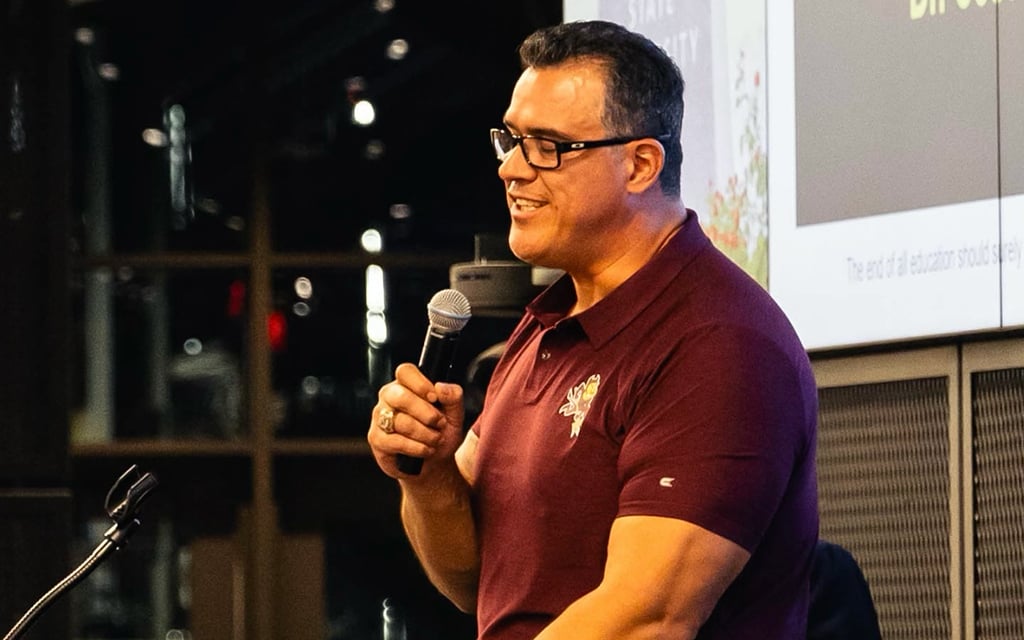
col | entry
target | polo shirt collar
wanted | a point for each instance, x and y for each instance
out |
(613, 313)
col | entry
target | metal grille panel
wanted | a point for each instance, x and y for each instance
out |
(883, 475)
(998, 456)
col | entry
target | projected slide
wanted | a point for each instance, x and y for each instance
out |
(894, 168)
(894, 153)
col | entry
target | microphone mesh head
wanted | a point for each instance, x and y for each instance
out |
(448, 311)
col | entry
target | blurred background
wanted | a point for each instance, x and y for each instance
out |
(232, 216)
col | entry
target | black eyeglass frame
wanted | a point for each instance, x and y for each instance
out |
(560, 146)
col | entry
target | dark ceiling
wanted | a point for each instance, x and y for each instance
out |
(280, 77)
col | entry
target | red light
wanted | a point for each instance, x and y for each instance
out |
(277, 331)
(236, 299)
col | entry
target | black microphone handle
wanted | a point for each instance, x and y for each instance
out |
(436, 364)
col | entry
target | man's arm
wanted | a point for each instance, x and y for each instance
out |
(426, 422)
(438, 521)
(662, 579)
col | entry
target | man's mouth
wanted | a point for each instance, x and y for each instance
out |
(526, 204)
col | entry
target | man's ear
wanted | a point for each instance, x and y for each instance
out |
(648, 158)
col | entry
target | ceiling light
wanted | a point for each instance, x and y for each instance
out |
(363, 113)
(108, 71)
(398, 49)
(154, 137)
(85, 35)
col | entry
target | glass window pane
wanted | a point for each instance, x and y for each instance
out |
(159, 354)
(158, 155)
(426, 188)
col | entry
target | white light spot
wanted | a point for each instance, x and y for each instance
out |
(310, 385)
(193, 346)
(398, 49)
(85, 35)
(363, 113)
(372, 241)
(400, 211)
(303, 287)
(154, 137)
(376, 328)
(375, 296)
(108, 71)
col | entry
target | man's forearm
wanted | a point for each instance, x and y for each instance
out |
(438, 521)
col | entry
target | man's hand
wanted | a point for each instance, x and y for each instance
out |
(415, 417)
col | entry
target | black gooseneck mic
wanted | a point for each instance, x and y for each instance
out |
(125, 514)
(447, 312)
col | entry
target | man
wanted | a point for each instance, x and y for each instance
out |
(643, 466)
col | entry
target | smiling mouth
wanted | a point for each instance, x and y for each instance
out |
(525, 204)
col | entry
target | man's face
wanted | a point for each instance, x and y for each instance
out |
(565, 218)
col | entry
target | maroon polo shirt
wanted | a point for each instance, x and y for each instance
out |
(684, 393)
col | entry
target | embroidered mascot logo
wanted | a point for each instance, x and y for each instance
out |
(579, 399)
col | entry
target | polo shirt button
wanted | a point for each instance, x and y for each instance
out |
(545, 355)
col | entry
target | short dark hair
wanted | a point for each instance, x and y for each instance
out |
(645, 87)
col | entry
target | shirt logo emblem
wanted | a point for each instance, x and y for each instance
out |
(579, 399)
(666, 481)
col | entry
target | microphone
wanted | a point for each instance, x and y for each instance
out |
(447, 313)
(125, 517)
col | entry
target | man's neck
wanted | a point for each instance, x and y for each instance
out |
(592, 288)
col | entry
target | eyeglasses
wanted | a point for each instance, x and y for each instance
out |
(544, 153)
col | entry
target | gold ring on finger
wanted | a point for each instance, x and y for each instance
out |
(386, 419)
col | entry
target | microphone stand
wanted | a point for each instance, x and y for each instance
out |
(124, 515)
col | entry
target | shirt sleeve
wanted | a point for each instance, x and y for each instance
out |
(713, 435)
